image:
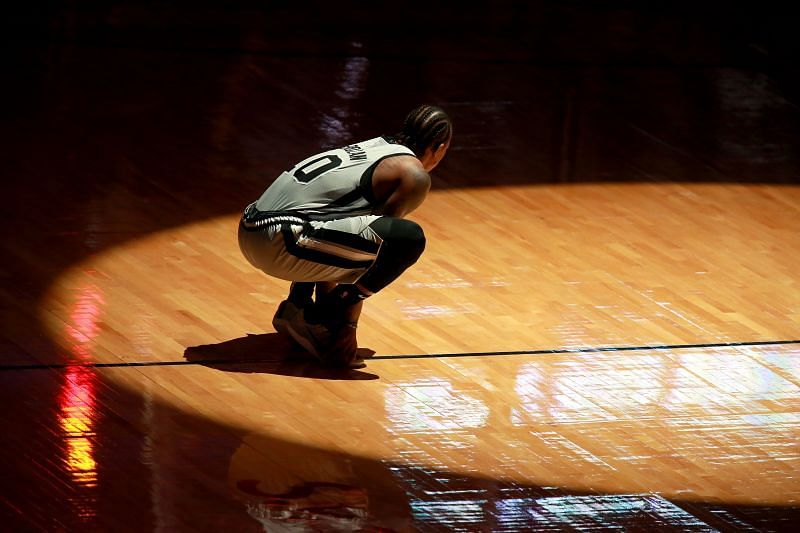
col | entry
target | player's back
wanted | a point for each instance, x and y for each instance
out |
(337, 181)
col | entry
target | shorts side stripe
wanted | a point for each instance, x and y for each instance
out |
(330, 254)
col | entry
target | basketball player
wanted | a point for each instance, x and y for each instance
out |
(335, 223)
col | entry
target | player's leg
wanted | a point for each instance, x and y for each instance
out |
(402, 243)
(330, 325)
(300, 297)
(320, 253)
(349, 248)
(349, 259)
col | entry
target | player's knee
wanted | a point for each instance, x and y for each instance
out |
(412, 239)
(403, 239)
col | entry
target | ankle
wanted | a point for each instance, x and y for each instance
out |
(346, 295)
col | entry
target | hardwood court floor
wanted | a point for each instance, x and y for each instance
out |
(561, 356)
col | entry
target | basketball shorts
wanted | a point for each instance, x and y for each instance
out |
(293, 249)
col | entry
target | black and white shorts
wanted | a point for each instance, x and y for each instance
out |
(291, 248)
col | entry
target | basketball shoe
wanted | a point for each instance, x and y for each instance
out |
(333, 342)
(286, 311)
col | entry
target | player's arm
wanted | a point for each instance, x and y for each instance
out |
(406, 192)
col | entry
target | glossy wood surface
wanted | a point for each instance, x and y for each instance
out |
(602, 332)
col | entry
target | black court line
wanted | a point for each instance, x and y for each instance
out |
(415, 356)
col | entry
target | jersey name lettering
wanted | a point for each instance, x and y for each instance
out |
(355, 152)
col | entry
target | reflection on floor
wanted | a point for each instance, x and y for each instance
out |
(141, 448)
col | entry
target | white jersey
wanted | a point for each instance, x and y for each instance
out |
(332, 184)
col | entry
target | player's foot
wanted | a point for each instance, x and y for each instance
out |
(333, 343)
(286, 311)
(343, 351)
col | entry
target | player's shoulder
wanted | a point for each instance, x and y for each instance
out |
(408, 170)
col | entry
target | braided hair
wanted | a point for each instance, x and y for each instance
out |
(426, 126)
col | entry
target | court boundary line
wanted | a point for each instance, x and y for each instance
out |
(556, 351)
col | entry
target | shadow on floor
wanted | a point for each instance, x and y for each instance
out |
(270, 353)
